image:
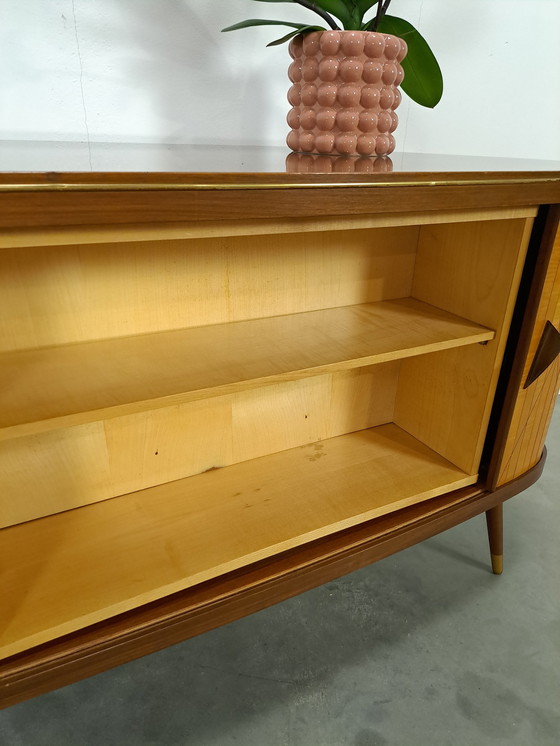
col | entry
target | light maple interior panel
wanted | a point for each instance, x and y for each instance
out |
(65, 468)
(26, 237)
(177, 406)
(109, 557)
(61, 386)
(59, 294)
(475, 269)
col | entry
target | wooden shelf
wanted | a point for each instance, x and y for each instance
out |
(47, 388)
(73, 569)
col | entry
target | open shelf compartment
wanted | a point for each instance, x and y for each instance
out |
(68, 385)
(335, 377)
(88, 564)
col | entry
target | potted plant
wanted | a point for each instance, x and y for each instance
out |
(346, 76)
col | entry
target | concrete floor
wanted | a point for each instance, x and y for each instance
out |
(425, 648)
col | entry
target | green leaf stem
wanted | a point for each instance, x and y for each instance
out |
(289, 36)
(263, 22)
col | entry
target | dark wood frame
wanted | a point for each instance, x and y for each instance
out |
(125, 198)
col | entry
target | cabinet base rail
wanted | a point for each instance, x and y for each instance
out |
(217, 602)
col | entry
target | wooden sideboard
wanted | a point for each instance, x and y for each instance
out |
(220, 389)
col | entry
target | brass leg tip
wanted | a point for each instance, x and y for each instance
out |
(497, 563)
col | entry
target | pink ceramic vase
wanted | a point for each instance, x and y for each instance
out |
(344, 92)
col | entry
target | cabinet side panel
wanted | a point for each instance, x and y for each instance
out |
(472, 270)
(63, 469)
(63, 294)
(534, 405)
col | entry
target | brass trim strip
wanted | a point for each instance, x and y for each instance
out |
(157, 187)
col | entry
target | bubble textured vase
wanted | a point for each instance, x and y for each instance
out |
(344, 92)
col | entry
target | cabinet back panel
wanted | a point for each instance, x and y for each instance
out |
(474, 270)
(54, 471)
(63, 294)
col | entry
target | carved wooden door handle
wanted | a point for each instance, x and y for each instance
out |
(547, 351)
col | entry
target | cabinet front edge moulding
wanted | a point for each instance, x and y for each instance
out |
(119, 199)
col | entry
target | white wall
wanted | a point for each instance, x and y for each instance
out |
(160, 71)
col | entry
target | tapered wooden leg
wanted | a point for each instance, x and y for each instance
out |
(495, 525)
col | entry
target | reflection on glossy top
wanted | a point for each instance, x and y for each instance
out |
(306, 163)
(68, 157)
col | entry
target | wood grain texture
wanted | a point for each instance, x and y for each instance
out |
(534, 406)
(110, 557)
(65, 294)
(63, 469)
(99, 234)
(106, 207)
(63, 386)
(188, 613)
(474, 269)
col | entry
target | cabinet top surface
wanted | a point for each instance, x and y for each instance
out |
(53, 164)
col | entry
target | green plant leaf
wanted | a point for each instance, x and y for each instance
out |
(365, 5)
(341, 9)
(355, 15)
(337, 8)
(263, 22)
(289, 36)
(423, 80)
